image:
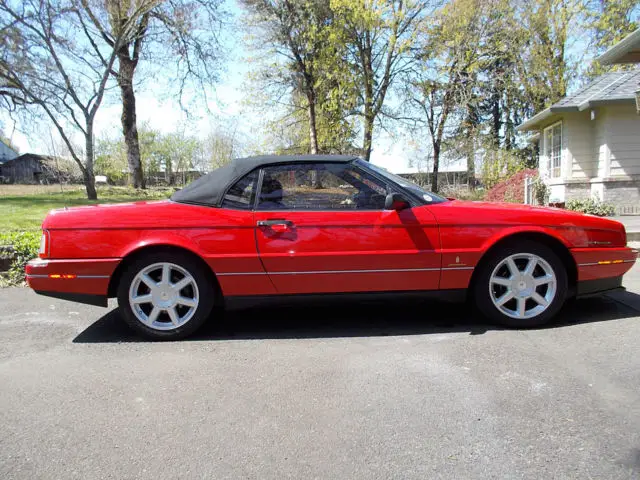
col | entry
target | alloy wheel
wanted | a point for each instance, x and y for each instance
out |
(522, 286)
(164, 296)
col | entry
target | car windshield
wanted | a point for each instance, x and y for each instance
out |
(414, 188)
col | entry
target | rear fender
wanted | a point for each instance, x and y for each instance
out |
(166, 239)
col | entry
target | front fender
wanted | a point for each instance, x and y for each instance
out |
(574, 235)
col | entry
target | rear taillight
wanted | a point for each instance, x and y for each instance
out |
(43, 252)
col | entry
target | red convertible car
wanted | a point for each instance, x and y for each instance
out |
(299, 225)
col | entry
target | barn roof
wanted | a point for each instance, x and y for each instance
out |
(28, 156)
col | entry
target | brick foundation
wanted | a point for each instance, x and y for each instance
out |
(622, 193)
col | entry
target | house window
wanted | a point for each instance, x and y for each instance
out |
(553, 149)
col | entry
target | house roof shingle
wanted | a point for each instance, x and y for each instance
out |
(611, 87)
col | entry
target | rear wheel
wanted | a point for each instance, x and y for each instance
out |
(521, 285)
(165, 296)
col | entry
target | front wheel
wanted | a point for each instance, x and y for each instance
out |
(521, 285)
(165, 296)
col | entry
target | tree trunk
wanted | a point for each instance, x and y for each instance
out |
(89, 179)
(313, 132)
(368, 138)
(369, 83)
(129, 126)
(313, 137)
(469, 130)
(496, 123)
(436, 166)
(471, 160)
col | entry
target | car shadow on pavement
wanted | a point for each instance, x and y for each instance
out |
(341, 318)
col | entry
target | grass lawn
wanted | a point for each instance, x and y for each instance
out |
(23, 207)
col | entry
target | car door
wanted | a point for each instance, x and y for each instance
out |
(322, 227)
(230, 249)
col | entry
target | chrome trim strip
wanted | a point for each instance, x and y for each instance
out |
(319, 272)
(229, 274)
(77, 276)
(357, 271)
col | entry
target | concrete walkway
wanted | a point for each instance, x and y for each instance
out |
(632, 224)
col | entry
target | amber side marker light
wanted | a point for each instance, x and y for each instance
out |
(609, 262)
(63, 276)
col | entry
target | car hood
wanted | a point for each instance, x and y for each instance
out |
(519, 214)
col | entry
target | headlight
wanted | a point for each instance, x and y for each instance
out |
(43, 252)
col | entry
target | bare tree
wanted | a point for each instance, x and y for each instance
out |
(52, 64)
(165, 33)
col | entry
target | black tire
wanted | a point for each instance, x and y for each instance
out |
(206, 288)
(481, 293)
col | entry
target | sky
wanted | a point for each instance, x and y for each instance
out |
(227, 102)
(161, 112)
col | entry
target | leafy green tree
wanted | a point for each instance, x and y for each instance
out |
(545, 68)
(306, 66)
(448, 64)
(170, 156)
(610, 22)
(379, 36)
(111, 159)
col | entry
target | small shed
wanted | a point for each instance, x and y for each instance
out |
(34, 168)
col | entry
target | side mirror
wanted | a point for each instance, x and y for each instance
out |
(396, 201)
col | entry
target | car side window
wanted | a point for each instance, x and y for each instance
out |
(241, 194)
(320, 186)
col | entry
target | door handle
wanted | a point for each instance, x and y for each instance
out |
(277, 225)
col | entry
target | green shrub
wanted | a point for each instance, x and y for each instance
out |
(462, 192)
(591, 206)
(25, 246)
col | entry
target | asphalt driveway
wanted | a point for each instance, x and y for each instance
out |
(410, 389)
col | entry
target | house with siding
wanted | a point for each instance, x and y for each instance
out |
(589, 143)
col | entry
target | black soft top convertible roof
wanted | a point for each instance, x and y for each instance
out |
(209, 190)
